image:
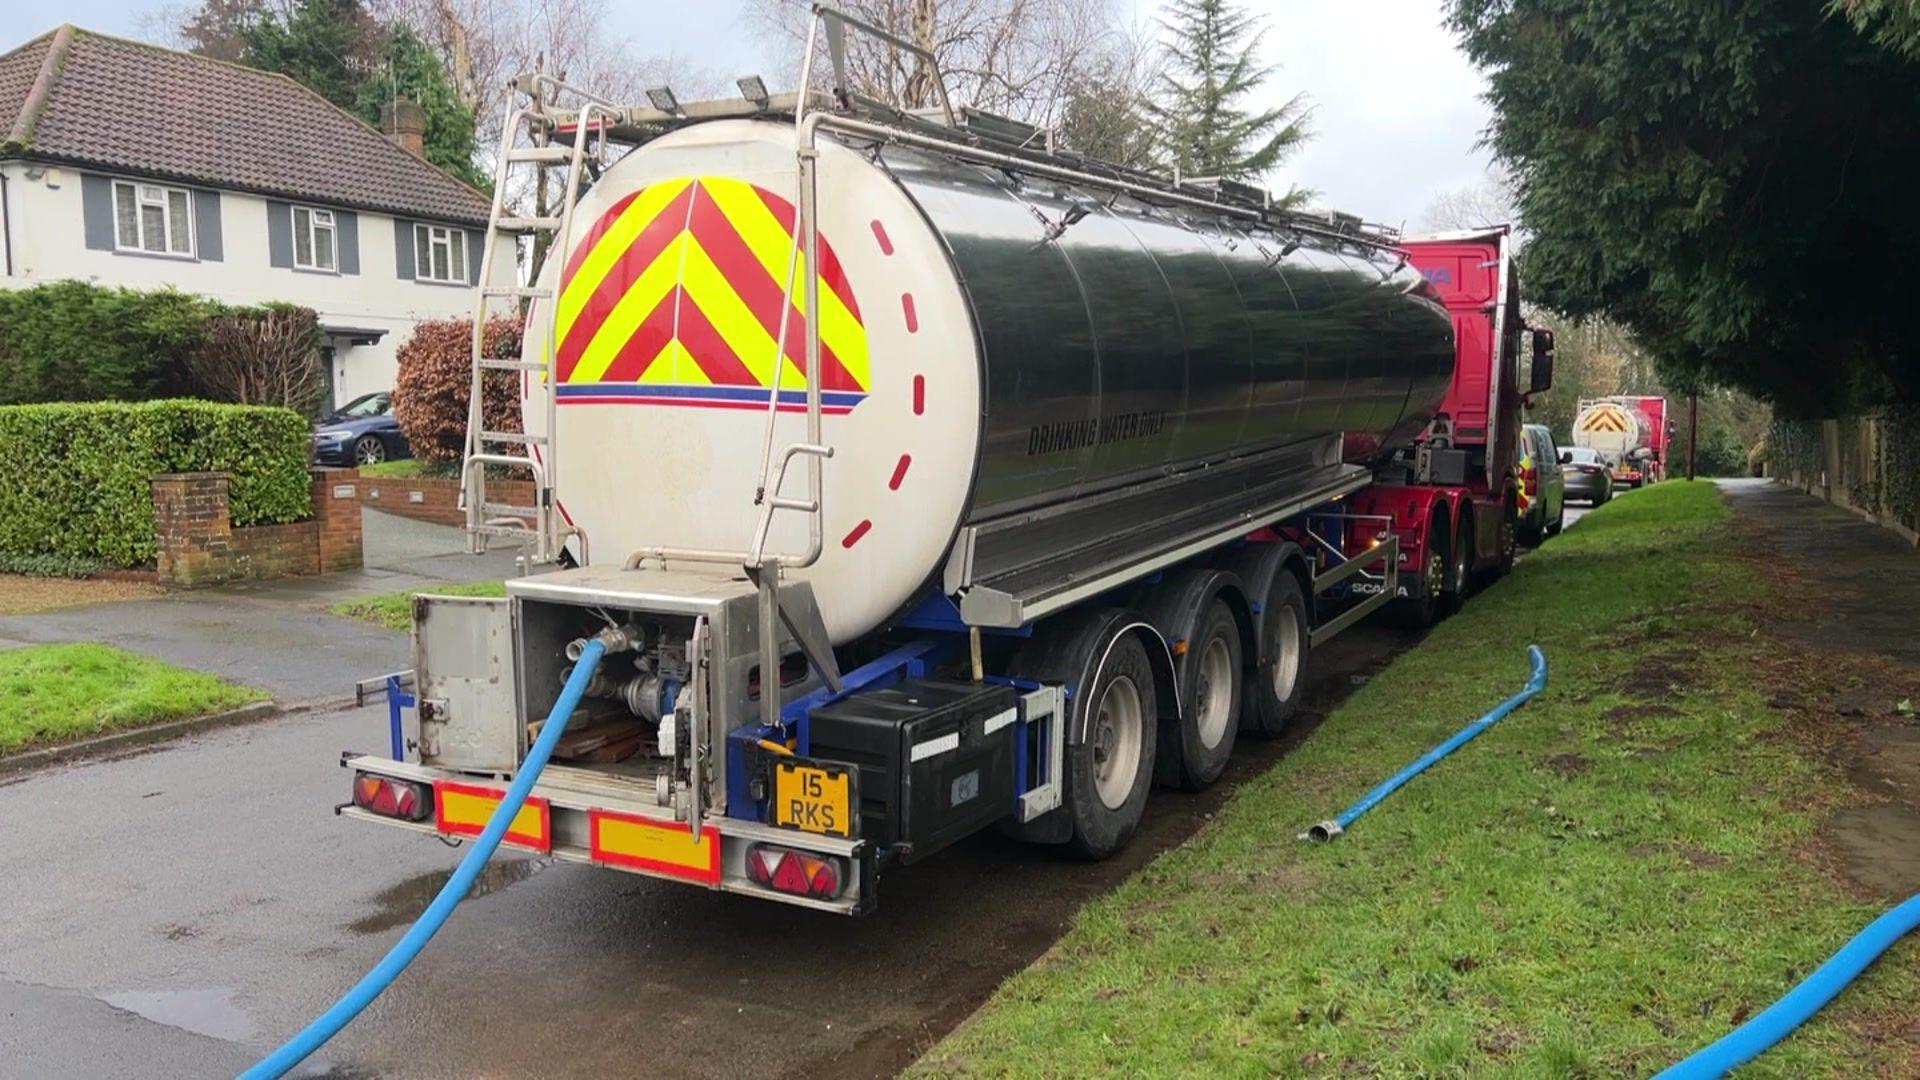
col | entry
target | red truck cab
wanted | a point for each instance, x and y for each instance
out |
(1453, 498)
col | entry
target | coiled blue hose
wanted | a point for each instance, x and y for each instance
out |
(1327, 830)
(1778, 1020)
(329, 1023)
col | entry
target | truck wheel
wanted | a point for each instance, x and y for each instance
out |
(1460, 568)
(1273, 689)
(1418, 612)
(1210, 680)
(1112, 725)
(1109, 771)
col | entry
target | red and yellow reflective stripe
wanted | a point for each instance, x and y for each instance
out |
(657, 847)
(684, 283)
(464, 810)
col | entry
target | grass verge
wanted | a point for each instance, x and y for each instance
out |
(1607, 880)
(54, 693)
(408, 468)
(394, 611)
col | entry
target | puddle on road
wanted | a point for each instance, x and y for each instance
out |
(204, 1012)
(400, 904)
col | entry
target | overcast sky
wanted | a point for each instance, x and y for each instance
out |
(1396, 107)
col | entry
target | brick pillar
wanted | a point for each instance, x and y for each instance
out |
(336, 515)
(192, 532)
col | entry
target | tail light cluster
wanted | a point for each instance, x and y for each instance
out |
(392, 798)
(798, 873)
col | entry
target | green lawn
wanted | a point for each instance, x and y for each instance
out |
(407, 468)
(394, 611)
(1609, 879)
(52, 693)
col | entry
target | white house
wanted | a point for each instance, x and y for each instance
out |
(128, 164)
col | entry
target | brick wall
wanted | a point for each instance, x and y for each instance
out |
(436, 498)
(198, 544)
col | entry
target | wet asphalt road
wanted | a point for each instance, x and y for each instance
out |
(179, 911)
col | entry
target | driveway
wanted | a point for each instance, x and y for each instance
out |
(278, 635)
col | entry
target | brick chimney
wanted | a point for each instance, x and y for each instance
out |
(405, 122)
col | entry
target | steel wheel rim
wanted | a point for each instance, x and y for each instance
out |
(1116, 742)
(1286, 655)
(1436, 573)
(1213, 691)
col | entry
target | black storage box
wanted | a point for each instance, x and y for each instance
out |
(935, 759)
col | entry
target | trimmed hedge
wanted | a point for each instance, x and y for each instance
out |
(74, 341)
(76, 481)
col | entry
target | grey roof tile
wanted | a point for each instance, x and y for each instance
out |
(124, 105)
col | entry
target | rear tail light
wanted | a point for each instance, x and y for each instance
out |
(392, 798)
(797, 873)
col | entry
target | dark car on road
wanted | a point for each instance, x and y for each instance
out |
(1543, 501)
(361, 432)
(1586, 475)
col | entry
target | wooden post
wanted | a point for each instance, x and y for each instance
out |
(1693, 430)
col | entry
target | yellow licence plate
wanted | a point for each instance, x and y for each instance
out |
(813, 798)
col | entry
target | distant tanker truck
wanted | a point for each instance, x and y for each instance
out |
(1630, 433)
(1091, 460)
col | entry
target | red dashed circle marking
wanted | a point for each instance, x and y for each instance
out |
(919, 395)
(880, 234)
(859, 531)
(899, 472)
(906, 308)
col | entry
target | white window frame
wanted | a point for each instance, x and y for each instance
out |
(455, 240)
(175, 228)
(315, 226)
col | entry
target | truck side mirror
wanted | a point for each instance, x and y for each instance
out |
(1566, 457)
(1542, 362)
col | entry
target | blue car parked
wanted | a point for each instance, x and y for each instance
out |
(361, 432)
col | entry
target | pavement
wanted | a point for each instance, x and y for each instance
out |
(278, 635)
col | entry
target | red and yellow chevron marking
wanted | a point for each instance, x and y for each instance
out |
(1605, 418)
(675, 296)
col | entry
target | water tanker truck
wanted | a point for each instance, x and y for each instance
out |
(1630, 433)
(920, 479)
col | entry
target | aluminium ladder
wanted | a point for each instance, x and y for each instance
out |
(544, 538)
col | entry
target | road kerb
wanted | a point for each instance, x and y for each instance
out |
(113, 742)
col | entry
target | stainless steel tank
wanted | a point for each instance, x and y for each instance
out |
(994, 345)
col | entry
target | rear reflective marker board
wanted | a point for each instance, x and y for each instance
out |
(657, 847)
(463, 810)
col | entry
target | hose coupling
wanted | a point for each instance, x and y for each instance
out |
(615, 639)
(1324, 832)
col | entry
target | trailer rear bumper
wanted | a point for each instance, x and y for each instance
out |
(590, 818)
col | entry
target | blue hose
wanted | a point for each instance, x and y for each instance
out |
(1327, 830)
(329, 1023)
(1778, 1020)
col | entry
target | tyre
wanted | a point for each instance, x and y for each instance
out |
(1460, 566)
(1601, 499)
(1210, 689)
(1559, 523)
(1271, 693)
(1111, 768)
(1509, 515)
(369, 450)
(1112, 727)
(1428, 607)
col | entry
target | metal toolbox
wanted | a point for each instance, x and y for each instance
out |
(935, 759)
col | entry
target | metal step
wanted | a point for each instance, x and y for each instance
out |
(523, 292)
(513, 437)
(555, 154)
(515, 531)
(496, 363)
(526, 224)
(490, 510)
